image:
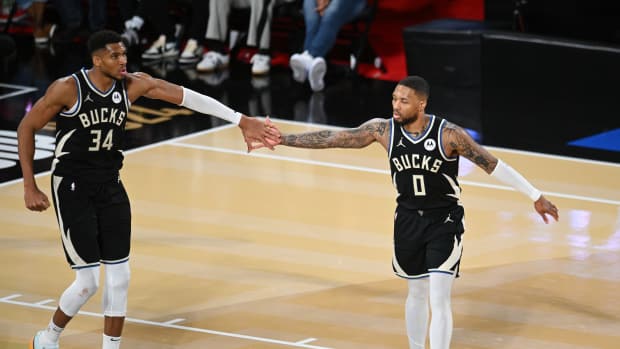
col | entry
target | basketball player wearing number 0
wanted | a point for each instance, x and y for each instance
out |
(423, 152)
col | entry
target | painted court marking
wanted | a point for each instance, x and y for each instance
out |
(20, 90)
(300, 344)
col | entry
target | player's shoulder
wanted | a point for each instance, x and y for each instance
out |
(63, 87)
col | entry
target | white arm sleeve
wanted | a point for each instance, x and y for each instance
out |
(508, 175)
(207, 105)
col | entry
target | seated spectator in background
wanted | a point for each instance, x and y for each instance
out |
(259, 34)
(323, 20)
(167, 43)
(71, 13)
(41, 31)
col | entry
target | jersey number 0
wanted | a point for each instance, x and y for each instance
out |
(419, 189)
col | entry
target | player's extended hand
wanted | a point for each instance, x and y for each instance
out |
(35, 199)
(545, 207)
(271, 142)
(257, 132)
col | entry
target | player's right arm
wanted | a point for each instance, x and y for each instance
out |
(61, 94)
(375, 130)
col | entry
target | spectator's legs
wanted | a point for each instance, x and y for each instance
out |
(335, 16)
(217, 25)
(259, 31)
(312, 21)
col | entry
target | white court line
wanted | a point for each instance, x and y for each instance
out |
(306, 341)
(21, 90)
(17, 295)
(320, 126)
(374, 170)
(171, 326)
(507, 150)
(174, 321)
(137, 149)
(45, 301)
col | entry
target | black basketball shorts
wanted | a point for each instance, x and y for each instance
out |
(427, 241)
(94, 221)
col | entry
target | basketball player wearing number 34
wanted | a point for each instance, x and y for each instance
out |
(92, 207)
(423, 152)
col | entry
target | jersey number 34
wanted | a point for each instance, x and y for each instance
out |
(97, 140)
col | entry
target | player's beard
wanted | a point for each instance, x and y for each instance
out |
(405, 122)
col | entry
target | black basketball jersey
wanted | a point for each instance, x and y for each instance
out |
(90, 135)
(424, 176)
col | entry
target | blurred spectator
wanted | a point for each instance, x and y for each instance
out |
(71, 16)
(259, 34)
(323, 20)
(41, 31)
(168, 39)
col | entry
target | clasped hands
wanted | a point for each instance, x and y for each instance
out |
(259, 134)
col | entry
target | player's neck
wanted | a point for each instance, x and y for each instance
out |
(100, 80)
(418, 127)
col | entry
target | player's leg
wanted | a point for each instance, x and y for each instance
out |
(410, 262)
(416, 312)
(443, 255)
(115, 235)
(441, 322)
(77, 221)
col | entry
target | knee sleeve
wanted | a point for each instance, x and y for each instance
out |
(83, 287)
(115, 289)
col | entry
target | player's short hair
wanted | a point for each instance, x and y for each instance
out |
(418, 84)
(102, 38)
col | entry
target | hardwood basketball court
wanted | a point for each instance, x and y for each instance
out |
(292, 248)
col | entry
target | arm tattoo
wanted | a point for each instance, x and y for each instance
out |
(350, 138)
(465, 146)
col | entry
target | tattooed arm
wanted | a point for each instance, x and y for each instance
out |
(375, 130)
(456, 141)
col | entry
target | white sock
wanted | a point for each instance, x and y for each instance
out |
(51, 334)
(441, 310)
(111, 342)
(416, 312)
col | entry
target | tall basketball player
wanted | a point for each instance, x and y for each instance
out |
(423, 152)
(92, 207)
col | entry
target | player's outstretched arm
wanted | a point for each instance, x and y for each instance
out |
(254, 130)
(457, 141)
(57, 97)
(375, 130)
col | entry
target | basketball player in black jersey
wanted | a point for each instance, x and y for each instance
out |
(91, 204)
(423, 151)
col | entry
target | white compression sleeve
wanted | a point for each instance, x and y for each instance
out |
(416, 312)
(508, 175)
(207, 105)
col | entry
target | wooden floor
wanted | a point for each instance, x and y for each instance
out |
(292, 248)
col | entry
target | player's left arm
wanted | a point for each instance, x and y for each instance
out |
(254, 130)
(456, 141)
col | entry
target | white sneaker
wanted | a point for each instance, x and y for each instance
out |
(260, 64)
(191, 53)
(300, 64)
(317, 71)
(161, 49)
(35, 343)
(211, 61)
